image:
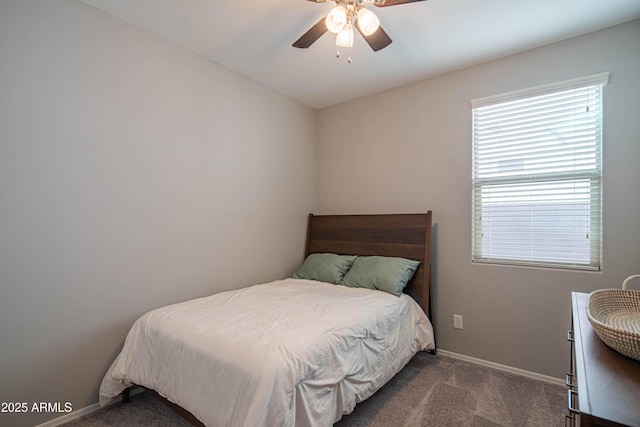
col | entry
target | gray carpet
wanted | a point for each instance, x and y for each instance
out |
(429, 391)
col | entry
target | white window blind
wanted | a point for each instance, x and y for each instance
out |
(537, 175)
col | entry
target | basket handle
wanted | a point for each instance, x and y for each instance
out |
(628, 279)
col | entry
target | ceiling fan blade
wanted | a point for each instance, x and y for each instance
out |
(378, 40)
(312, 35)
(394, 2)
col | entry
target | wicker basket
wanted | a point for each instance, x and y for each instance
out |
(615, 316)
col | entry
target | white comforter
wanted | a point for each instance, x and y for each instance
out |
(290, 352)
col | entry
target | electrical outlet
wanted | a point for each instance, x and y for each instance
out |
(457, 321)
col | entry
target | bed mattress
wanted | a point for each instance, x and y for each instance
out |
(290, 352)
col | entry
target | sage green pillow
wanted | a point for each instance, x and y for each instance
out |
(329, 268)
(389, 274)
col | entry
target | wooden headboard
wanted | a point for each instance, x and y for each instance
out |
(398, 235)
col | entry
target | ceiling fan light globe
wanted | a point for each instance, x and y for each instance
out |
(336, 19)
(345, 37)
(368, 21)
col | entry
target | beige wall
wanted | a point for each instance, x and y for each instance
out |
(409, 150)
(133, 174)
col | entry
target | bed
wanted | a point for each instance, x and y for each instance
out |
(289, 352)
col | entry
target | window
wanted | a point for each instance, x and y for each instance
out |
(537, 175)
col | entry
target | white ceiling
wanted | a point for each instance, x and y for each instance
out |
(254, 37)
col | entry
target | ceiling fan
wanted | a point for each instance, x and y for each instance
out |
(344, 17)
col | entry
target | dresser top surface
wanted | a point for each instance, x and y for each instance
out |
(608, 382)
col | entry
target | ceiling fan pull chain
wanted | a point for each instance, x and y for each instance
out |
(349, 58)
(337, 52)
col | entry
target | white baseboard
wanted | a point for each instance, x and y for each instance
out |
(511, 369)
(86, 410)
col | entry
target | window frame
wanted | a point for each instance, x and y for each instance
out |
(594, 176)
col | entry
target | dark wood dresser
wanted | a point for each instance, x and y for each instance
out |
(604, 386)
